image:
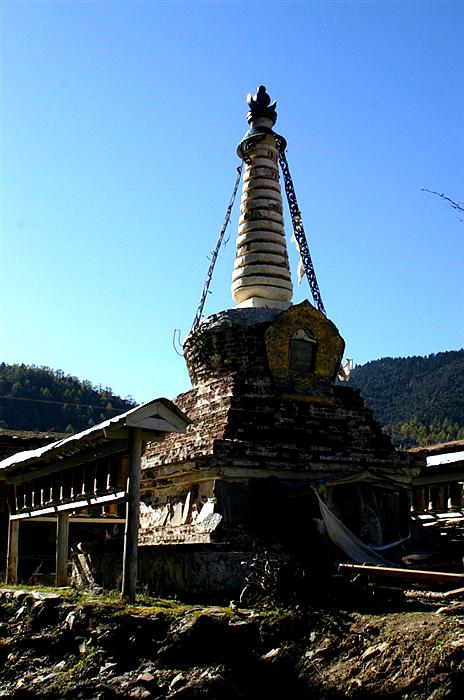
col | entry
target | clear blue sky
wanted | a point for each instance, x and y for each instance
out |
(120, 123)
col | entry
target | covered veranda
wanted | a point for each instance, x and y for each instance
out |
(99, 467)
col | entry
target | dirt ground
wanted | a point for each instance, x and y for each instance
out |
(70, 645)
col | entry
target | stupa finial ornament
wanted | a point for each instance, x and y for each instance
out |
(260, 106)
(261, 276)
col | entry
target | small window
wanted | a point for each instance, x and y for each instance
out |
(303, 352)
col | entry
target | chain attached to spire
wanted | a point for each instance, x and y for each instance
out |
(209, 275)
(297, 223)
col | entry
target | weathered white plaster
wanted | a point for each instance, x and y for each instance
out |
(261, 271)
(263, 257)
(271, 273)
(257, 302)
(258, 202)
(262, 224)
(258, 246)
(253, 296)
(251, 287)
(262, 182)
(264, 236)
(261, 213)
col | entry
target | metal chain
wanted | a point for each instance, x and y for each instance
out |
(298, 229)
(209, 276)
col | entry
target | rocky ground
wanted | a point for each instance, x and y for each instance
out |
(71, 645)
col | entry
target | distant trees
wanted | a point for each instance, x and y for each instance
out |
(418, 399)
(39, 398)
(413, 433)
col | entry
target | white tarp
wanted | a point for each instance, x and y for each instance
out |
(349, 543)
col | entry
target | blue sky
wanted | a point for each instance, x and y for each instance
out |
(120, 122)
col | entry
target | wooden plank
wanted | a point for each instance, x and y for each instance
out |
(12, 553)
(410, 574)
(83, 561)
(147, 435)
(62, 549)
(82, 519)
(162, 410)
(72, 505)
(433, 595)
(131, 534)
(155, 424)
(441, 478)
(59, 462)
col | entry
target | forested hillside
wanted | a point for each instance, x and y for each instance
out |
(418, 399)
(39, 398)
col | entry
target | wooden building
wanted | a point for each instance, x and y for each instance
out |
(439, 486)
(11, 442)
(85, 476)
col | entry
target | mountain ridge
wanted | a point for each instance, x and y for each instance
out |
(418, 399)
(43, 399)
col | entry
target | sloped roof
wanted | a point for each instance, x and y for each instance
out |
(439, 448)
(157, 416)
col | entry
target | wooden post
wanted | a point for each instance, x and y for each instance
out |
(12, 554)
(131, 533)
(62, 545)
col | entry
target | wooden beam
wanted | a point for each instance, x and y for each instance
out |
(147, 435)
(82, 519)
(158, 410)
(72, 505)
(408, 574)
(12, 554)
(155, 424)
(62, 548)
(444, 477)
(131, 534)
(62, 461)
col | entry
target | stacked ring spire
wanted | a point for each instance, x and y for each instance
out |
(261, 275)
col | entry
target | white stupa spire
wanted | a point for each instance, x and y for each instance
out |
(261, 274)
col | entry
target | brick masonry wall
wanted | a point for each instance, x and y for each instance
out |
(246, 426)
(242, 416)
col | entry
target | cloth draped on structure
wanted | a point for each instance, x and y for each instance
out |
(349, 543)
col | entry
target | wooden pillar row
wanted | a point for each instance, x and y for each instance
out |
(13, 538)
(12, 553)
(131, 533)
(62, 548)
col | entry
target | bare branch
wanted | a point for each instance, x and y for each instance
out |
(457, 206)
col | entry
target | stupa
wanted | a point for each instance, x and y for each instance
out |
(272, 432)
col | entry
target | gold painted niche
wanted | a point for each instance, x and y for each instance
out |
(304, 321)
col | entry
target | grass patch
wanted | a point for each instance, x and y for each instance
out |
(111, 604)
(67, 593)
(71, 677)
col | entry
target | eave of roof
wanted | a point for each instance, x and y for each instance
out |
(439, 448)
(157, 416)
